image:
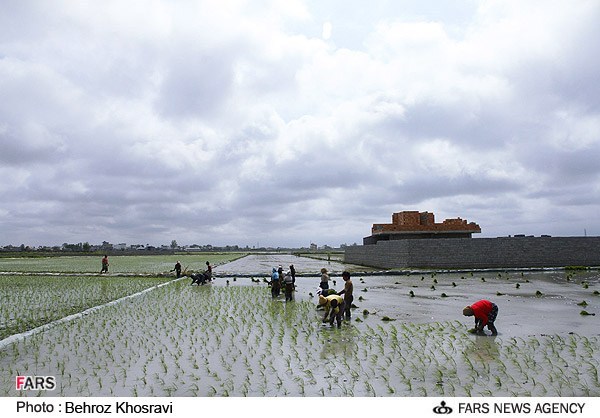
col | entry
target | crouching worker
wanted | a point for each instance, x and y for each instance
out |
(334, 308)
(325, 292)
(199, 278)
(485, 313)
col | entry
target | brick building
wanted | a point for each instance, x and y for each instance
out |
(414, 224)
(415, 240)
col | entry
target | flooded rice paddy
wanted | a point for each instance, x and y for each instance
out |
(407, 336)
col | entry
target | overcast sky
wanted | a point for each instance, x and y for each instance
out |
(281, 123)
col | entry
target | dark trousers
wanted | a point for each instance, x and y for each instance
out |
(491, 319)
(337, 316)
(275, 288)
(494, 314)
(289, 288)
(347, 305)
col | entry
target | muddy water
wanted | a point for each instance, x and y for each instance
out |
(442, 296)
(263, 264)
(230, 338)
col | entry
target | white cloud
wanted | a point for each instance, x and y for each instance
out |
(239, 122)
(327, 30)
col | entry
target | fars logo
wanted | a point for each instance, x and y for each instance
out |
(35, 383)
(442, 409)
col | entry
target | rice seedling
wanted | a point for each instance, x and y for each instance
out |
(300, 383)
(259, 339)
(369, 388)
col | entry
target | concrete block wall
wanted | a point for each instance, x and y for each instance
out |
(509, 252)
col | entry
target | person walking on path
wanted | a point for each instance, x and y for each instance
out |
(104, 264)
(324, 279)
(485, 313)
(334, 306)
(347, 292)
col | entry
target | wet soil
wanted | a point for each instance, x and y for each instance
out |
(230, 338)
(530, 302)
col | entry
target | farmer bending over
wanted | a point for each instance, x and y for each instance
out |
(325, 292)
(485, 313)
(199, 278)
(334, 307)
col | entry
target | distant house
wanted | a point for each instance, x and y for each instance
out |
(106, 245)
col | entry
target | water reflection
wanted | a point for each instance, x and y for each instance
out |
(483, 348)
(338, 343)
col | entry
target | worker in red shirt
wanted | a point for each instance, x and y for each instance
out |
(104, 264)
(485, 313)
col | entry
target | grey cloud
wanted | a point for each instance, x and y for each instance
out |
(196, 84)
(435, 185)
(484, 127)
(29, 144)
(562, 167)
(258, 132)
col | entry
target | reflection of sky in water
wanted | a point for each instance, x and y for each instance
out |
(522, 313)
(337, 344)
(263, 264)
(484, 348)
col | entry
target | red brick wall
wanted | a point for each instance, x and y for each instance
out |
(414, 221)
